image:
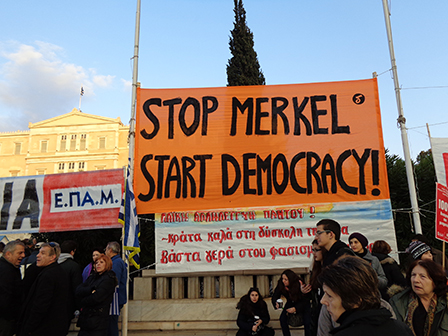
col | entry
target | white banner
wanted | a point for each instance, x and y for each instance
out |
(260, 238)
(439, 148)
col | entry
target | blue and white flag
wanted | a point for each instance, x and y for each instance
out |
(128, 218)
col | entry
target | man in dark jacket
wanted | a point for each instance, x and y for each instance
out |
(328, 234)
(120, 269)
(74, 276)
(45, 310)
(10, 287)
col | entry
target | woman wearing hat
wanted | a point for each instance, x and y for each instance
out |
(359, 243)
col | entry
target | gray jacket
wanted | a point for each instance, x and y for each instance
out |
(376, 265)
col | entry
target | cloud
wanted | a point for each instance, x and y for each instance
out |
(36, 84)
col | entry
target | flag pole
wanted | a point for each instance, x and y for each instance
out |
(402, 122)
(125, 317)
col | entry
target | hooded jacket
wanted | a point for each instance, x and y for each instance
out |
(372, 322)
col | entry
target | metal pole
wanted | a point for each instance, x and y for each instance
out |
(402, 122)
(125, 317)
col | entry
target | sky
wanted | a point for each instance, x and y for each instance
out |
(49, 49)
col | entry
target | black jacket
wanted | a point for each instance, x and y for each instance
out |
(371, 322)
(245, 321)
(95, 296)
(10, 290)
(73, 271)
(337, 250)
(45, 309)
(299, 304)
(391, 269)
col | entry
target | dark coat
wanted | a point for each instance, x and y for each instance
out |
(95, 296)
(120, 269)
(10, 290)
(73, 271)
(245, 320)
(299, 304)
(371, 322)
(337, 250)
(45, 309)
(392, 270)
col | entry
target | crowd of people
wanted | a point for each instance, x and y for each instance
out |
(42, 289)
(356, 289)
(352, 289)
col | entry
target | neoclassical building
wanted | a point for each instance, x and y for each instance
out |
(71, 142)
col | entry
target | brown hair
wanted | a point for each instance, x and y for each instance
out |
(107, 260)
(381, 246)
(435, 272)
(355, 281)
(317, 267)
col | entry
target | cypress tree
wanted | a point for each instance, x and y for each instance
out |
(243, 67)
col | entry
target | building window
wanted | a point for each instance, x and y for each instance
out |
(40, 171)
(63, 143)
(17, 149)
(71, 166)
(14, 172)
(43, 146)
(83, 142)
(61, 166)
(102, 143)
(73, 142)
(81, 165)
(100, 167)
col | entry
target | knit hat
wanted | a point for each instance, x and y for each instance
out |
(361, 238)
(417, 249)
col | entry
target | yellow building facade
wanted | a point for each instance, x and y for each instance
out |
(71, 142)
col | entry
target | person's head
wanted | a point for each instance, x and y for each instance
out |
(358, 242)
(112, 249)
(420, 237)
(381, 247)
(328, 232)
(14, 252)
(289, 279)
(96, 253)
(69, 246)
(318, 252)
(48, 254)
(254, 294)
(419, 250)
(103, 264)
(426, 277)
(349, 283)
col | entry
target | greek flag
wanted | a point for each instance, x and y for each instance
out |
(128, 218)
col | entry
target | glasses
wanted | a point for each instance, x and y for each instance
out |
(316, 250)
(318, 233)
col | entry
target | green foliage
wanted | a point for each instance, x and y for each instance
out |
(424, 174)
(243, 67)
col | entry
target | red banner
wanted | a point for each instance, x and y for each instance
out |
(61, 202)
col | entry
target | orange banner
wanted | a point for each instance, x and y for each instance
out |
(240, 147)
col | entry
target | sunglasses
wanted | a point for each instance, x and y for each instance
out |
(316, 249)
(54, 246)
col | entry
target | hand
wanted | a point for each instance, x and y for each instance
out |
(304, 288)
(276, 305)
(254, 328)
(291, 310)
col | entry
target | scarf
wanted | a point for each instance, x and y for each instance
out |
(412, 306)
